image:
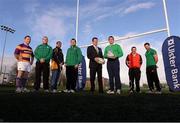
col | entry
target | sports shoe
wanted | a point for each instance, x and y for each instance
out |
(118, 91)
(131, 91)
(54, 91)
(25, 90)
(110, 92)
(72, 91)
(158, 92)
(150, 92)
(18, 90)
(66, 91)
(46, 91)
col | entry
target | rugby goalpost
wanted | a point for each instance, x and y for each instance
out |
(166, 29)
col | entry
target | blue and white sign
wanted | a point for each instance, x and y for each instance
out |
(171, 57)
(81, 75)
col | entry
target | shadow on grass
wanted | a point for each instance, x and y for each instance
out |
(84, 106)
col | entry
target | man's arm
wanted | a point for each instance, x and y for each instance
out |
(105, 53)
(49, 56)
(17, 53)
(79, 56)
(120, 52)
(156, 58)
(141, 61)
(89, 53)
(127, 61)
(100, 52)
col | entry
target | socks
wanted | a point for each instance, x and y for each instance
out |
(21, 82)
(24, 81)
(18, 82)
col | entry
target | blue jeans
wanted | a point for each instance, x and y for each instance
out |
(55, 78)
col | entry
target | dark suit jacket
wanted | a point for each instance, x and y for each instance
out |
(91, 54)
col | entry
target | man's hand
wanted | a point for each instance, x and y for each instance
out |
(42, 60)
(76, 66)
(19, 58)
(31, 62)
(96, 59)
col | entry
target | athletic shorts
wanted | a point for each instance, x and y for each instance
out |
(24, 66)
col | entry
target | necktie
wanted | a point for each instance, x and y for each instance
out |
(97, 50)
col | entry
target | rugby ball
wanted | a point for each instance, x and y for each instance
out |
(110, 54)
(101, 61)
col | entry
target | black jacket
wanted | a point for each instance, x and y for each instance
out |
(91, 54)
(58, 56)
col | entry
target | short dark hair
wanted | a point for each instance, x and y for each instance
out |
(58, 42)
(94, 38)
(73, 39)
(111, 37)
(27, 36)
(147, 44)
(133, 47)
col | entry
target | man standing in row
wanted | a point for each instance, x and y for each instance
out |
(73, 59)
(93, 54)
(43, 54)
(134, 62)
(56, 65)
(24, 54)
(151, 69)
(113, 52)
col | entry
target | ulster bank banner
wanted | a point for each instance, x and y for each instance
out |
(81, 75)
(171, 57)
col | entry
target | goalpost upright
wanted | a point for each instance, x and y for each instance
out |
(166, 29)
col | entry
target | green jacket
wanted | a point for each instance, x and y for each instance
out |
(73, 56)
(116, 50)
(43, 51)
(150, 61)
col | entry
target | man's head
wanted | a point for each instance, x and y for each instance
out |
(95, 41)
(147, 46)
(45, 40)
(27, 39)
(58, 44)
(73, 42)
(133, 50)
(111, 39)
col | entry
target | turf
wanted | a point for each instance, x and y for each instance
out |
(84, 106)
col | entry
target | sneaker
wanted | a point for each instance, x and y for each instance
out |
(25, 90)
(158, 92)
(34, 91)
(66, 91)
(46, 91)
(131, 91)
(72, 91)
(110, 92)
(54, 91)
(18, 90)
(150, 92)
(118, 91)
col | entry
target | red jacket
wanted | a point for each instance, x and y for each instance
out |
(134, 61)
